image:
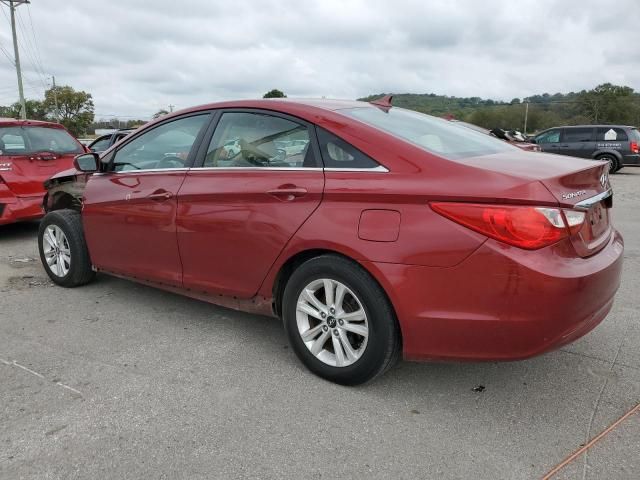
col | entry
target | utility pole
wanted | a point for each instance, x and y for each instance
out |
(171, 108)
(526, 117)
(12, 4)
(55, 96)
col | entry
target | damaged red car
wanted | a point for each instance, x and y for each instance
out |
(390, 233)
(30, 152)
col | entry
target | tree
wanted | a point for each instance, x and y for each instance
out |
(275, 93)
(607, 103)
(75, 108)
(35, 110)
(160, 113)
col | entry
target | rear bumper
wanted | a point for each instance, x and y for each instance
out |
(15, 209)
(502, 303)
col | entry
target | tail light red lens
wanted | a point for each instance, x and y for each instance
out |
(525, 227)
(634, 147)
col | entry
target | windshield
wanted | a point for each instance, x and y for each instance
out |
(28, 140)
(433, 134)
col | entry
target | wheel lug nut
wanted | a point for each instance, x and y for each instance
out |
(336, 333)
(323, 315)
(325, 328)
(332, 310)
(341, 322)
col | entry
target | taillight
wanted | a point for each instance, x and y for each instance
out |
(525, 227)
(634, 147)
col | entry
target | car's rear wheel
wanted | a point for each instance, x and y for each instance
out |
(63, 250)
(613, 162)
(339, 321)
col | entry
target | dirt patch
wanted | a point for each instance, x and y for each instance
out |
(24, 282)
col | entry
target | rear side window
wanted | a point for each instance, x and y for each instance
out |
(336, 153)
(572, 135)
(28, 140)
(611, 134)
(635, 134)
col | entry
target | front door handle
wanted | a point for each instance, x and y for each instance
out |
(160, 195)
(288, 193)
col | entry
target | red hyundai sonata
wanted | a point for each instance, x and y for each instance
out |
(30, 152)
(390, 232)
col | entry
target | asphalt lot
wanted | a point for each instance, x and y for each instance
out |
(118, 380)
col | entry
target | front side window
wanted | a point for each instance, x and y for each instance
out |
(432, 134)
(101, 144)
(573, 135)
(250, 140)
(552, 136)
(165, 147)
(29, 140)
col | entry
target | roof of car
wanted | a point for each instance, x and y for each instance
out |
(14, 122)
(598, 126)
(281, 103)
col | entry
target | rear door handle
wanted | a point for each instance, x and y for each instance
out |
(160, 195)
(288, 193)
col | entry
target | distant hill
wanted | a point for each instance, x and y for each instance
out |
(604, 104)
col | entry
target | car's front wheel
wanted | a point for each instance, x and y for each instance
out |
(339, 321)
(63, 250)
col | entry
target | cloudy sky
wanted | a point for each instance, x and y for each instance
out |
(136, 57)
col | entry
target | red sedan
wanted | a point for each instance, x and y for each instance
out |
(390, 232)
(30, 152)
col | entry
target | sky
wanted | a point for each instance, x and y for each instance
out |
(137, 57)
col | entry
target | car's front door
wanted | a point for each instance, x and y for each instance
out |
(129, 212)
(238, 210)
(549, 141)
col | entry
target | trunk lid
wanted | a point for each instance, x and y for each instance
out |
(575, 183)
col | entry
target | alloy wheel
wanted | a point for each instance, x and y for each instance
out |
(56, 250)
(332, 322)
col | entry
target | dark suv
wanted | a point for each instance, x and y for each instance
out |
(617, 144)
(103, 142)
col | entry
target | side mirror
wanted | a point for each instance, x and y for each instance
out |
(88, 162)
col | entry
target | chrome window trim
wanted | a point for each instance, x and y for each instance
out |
(589, 202)
(148, 170)
(378, 169)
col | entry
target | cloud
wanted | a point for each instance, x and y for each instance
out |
(138, 57)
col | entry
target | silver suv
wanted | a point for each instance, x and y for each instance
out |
(618, 144)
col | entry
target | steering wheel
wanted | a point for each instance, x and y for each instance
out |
(170, 161)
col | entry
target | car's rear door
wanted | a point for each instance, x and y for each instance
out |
(32, 154)
(129, 212)
(236, 212)
(578, 142)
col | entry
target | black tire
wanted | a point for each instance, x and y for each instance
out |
(614, 165)
(383, 345)
(80, 271)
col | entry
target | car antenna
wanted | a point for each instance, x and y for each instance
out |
(384, 102)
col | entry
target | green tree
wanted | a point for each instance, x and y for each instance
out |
(608, 103)
(35, 110)
(74, 108)
(275, 93)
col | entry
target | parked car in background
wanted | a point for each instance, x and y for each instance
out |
(616, 144)
(30, 152)
(395, 232)
(513, 139)
(103, 142)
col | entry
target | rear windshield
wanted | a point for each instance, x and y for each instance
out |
(433, 134)
(28, 140)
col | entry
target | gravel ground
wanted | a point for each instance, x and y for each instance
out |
(117, 380)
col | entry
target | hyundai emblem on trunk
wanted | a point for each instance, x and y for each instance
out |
(604, 179)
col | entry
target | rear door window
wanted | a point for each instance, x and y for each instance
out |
(611, 134)
(577, 135)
